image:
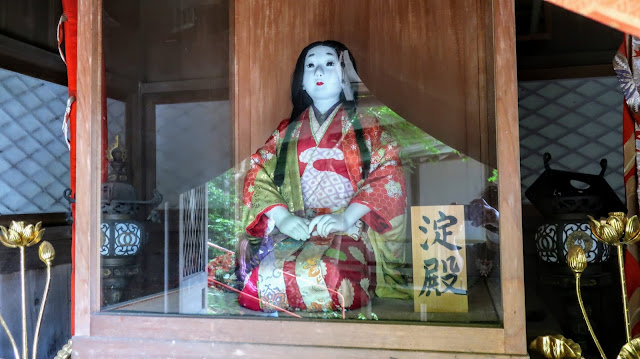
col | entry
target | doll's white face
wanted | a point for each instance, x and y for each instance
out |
(322, 76)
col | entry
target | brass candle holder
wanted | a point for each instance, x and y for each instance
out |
(21, 236)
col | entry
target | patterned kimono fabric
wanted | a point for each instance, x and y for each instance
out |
(627, 66)
(323, 175)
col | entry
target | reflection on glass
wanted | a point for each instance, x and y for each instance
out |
(347, 212)
(231, 285)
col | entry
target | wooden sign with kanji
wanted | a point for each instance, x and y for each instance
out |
(439, 259)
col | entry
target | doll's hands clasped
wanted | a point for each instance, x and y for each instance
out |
(294, 227)
(338, 222)
(328, 223)
(289, 224)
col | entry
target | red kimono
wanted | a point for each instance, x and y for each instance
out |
(323, 175)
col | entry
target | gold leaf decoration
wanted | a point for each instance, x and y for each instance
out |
(556, 347)
(617, 222)
(632, 231)
(604, 232)
(631, 350)
(4, 238)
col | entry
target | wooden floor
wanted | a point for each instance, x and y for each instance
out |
(484, 307)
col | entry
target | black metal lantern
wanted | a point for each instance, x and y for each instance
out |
(123, 234)
(122, 239)
(553, 241)
(565, 199)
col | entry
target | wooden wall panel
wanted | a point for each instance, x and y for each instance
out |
(278, 31)
(420, 58)
(123, 52)
(423, 63)
(185, 40)
(353, 26)
(302, 333)
(172, 43)
(107, 348)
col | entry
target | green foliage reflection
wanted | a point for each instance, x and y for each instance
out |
(414, 142)
(222, 226)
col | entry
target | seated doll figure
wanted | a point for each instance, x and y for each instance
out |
(326, 197)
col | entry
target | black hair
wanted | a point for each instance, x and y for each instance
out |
(301, 101)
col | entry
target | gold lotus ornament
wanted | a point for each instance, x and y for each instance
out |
(19, 235)
(618, 230)
(577, 259)
(631, 350)
(632, 230)
(46, 253)
(556, 347)
(604, 231)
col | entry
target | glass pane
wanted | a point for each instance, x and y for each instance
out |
(347, 212)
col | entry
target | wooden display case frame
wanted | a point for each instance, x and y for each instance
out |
(113, 335)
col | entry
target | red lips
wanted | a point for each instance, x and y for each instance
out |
(319, 83)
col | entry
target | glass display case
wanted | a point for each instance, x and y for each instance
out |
(313, 177)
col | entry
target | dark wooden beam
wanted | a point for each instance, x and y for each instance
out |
(618, 14)
(30, 60)
(570, 72)
(47, 219)
(213, 83)
(196, 3)
(33, 61)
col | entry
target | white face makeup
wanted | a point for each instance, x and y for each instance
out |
(322, 77)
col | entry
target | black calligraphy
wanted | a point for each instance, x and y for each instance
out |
(449, 280)
(453, 265)
(431, 278)
(440, 227)
(424, 230)
(443, 273)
